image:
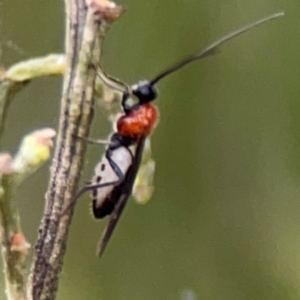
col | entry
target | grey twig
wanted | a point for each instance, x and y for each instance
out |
(19, 75)
(13, 244)
(87, 22)
(33, 152)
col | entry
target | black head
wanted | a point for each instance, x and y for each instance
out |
(144, 91)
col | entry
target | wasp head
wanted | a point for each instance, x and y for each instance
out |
(144, 91)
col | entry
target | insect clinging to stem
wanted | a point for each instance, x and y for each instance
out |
(115, 175)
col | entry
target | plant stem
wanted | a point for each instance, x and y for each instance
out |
(86, 26)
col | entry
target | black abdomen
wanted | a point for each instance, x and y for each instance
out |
(105, 209)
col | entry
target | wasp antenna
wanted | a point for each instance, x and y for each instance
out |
(111, 82)
(214, 47)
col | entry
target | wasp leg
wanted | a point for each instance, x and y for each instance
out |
(126, 108)
(95, 142)
(90, 187)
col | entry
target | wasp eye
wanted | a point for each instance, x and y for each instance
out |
(144, 91)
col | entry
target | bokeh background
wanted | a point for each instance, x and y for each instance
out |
(224, 221)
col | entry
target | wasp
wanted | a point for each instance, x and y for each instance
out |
(115, 174)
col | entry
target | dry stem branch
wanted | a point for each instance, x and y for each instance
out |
(14, 261)
(86, 27)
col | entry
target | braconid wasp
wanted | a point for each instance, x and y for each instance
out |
(114, 176)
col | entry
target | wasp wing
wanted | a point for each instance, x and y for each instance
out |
(120, 196)
(108, 175)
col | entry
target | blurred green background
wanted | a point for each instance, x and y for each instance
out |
(224, 222)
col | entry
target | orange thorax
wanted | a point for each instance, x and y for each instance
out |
(138, 122)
